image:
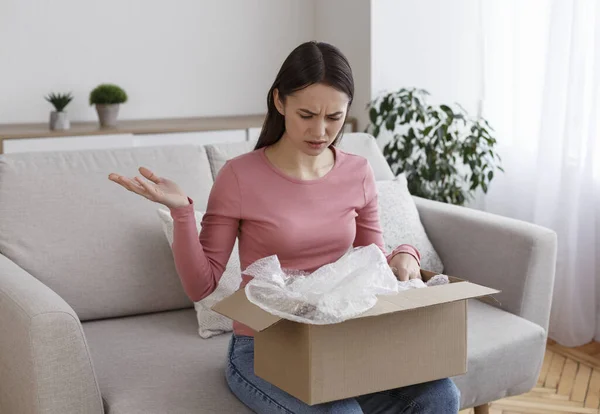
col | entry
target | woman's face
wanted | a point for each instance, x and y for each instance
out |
(313, 116)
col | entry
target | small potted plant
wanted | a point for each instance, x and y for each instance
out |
(58, 118)
(107, 98)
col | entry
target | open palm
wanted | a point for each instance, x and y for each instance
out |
(154, 188)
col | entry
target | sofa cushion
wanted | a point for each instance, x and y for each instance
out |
(210, 323)
(505, 354)
(354, 143)
(94, 243)
(401, 223)
(218, 154)
(155, 364)
(364, 144)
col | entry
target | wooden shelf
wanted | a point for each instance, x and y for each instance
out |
(141, 126)
(138, 127)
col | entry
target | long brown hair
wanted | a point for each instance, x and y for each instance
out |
(310, 63)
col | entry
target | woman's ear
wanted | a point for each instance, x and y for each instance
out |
(278, 104)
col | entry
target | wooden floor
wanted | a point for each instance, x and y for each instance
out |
(569, 383)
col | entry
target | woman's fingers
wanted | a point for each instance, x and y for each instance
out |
(402, 274)
(415, 274)
(133, 186)
(128, 184)
(148, 187)
(117, 179)
(149, 175)
(124, 181)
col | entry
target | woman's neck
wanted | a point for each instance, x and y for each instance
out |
(285, 156)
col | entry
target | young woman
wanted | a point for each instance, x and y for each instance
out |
(299, 197)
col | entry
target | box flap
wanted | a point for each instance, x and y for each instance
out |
(239, 308)
(434, 295)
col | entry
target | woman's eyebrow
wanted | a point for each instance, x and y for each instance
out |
(312, 113)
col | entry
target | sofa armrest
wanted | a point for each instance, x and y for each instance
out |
(510, 255)
(45, 365)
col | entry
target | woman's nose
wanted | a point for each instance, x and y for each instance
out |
(319, 128)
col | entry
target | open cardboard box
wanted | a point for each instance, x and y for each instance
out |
(416, 336)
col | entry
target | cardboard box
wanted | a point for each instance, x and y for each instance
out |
(415, 336)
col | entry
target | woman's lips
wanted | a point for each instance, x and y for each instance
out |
(316, 144)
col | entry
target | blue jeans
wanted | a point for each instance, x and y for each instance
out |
(436, 397)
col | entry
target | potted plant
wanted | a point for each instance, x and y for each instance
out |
(445, 154)
(107, 98)
(59, 119)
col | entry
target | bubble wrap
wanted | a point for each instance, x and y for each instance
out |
(418, 283)
(331, 294)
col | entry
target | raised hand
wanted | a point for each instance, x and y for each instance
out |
(154, 188)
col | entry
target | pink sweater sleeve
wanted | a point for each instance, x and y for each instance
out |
(368, 227)
(200, 261)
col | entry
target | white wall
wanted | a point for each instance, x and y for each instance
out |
(178, 59)
(347, 25)
(207, 57)
(429, 44)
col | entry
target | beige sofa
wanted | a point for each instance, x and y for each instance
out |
(93, 317)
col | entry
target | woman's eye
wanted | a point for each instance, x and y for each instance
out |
(329, 117)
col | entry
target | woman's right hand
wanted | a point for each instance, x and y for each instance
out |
(158, 189)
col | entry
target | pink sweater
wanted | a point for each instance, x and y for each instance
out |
(306, 223)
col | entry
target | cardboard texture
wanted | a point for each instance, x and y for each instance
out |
(415, 336)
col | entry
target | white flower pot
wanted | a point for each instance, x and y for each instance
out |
(59, 121)
(107, 114)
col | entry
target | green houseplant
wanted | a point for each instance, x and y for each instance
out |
(107, 97)
(445, 154)
(58, 118)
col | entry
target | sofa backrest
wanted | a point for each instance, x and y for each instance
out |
(99, 246)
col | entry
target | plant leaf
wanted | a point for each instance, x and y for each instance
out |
(373, 115)
(447, 109)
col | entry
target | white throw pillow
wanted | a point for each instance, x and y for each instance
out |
(210, 323)
(401, 223)
(219, 154)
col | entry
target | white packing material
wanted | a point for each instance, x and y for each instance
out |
(418, 283)
(331, 294)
